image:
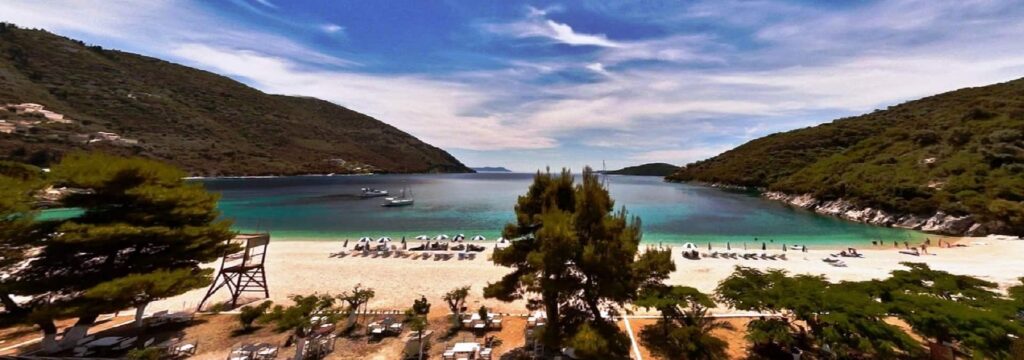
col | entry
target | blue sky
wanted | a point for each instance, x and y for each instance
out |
(529, 84)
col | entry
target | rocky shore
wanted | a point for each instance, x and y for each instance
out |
(939, 223)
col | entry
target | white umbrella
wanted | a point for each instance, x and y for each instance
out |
(422, 237)
(441, 237)
(365, 239)
(502, 243)
(459, 237)
(479, 238)
(384, 240)
(689, 247)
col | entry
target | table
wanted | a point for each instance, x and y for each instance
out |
(467, 347)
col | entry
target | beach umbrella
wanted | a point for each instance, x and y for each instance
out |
(689, 247)
(422, 237)
(709, 246)
(384, 240)
(441, 237)
(365, 239)
(728, 246)
(479, 238)
(346, 244)
(460, 237)
(764, 246)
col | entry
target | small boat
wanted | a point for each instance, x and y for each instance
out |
(398, 201)
(371, 192)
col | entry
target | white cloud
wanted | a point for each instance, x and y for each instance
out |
(267, 3)
(536, 24)
(598, 68)
(332, 28)
(430, 109)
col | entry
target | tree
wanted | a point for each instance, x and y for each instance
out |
(138, 290)
(579, 256)
(17, 229)
(359, 296)
(456, 299)
(298, 318)
(416, 319)
(685, 329)
(951, 308)
(138, 217)
(842, 316)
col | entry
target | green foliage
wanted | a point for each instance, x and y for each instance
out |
(841, 315)
(249, 314)
(298, 317)
(150, 353)
(355, 298)
(652, 169)
(960, 152)
(137, 289)
(142, 235)
(685, 329)
(197, 120)
(948, 307)
(421, 306)
(577, 255)
(455, 299)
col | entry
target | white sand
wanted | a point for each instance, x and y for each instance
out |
(304, 267)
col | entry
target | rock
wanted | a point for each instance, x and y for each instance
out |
(947, 224)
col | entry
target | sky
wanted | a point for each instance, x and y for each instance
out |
(534, 84)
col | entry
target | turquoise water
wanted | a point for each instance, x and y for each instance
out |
(319, 207)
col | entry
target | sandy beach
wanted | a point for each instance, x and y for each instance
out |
(305, 267)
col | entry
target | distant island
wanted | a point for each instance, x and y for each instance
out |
(491, 169)
(652, 169)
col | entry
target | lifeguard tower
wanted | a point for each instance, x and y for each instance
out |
(242, 271)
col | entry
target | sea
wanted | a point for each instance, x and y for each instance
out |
(329, 208)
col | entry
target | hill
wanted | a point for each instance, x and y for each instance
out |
(950, 163)
(652, 169)
(492, 169)
(203, 122)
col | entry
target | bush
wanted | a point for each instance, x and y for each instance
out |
(249, 314)
(150, 353)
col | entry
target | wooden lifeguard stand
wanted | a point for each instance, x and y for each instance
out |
(242, 271)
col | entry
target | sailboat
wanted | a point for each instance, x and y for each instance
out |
(401, 200)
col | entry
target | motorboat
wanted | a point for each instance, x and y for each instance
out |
(372, 192)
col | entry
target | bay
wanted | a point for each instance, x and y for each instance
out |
(329, 208)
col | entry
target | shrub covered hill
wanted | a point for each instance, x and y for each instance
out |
(651, 169)
(205, 123)
(950, 163)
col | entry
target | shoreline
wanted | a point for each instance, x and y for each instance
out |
(306, 267)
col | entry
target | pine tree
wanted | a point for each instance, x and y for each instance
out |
(580, 257)
(139, 218)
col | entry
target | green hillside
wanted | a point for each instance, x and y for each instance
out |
(652, 169)
(203, 122)
(960, 152)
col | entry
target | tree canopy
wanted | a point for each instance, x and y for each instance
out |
(142, 234)
(580, 257)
